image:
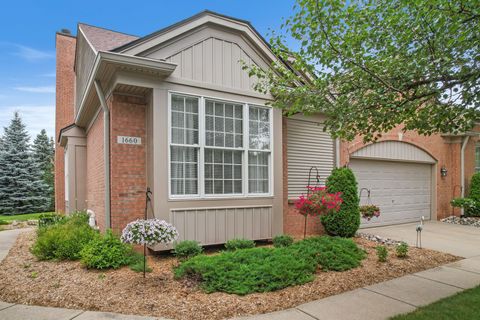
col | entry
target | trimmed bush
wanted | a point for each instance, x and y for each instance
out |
(382, 253)
(346, 221)
(49, 219)
(187, 249)
(106, 252)
(283, 240)
(268, 269)
(235, 244)
(63, 241)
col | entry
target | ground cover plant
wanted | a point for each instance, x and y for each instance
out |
(245, 271)
(187, 249)
(382, 253)
(235, 244)
(463, 305)
(283, 240)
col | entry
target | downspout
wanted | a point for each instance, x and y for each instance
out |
(106, 150)
(462, 168)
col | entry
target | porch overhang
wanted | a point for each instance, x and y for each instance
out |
(105, 68)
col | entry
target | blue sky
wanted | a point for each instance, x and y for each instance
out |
(27, 41)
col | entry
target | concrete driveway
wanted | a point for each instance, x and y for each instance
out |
(463, 241)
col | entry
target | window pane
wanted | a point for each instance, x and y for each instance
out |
(222, 176)
(184, 120)
(184, 170)
(221, 121)
(259, 128)
(258, 172)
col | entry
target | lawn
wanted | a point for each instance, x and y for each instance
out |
(22, 217)
(464, 305)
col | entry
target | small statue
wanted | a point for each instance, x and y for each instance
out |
(91, 219)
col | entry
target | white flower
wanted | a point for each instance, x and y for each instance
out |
(150, 231)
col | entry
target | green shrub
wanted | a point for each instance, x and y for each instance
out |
(3, 222)
(106, 252)
(346, 221)
(331, 253)
(235, 244)
(268, 269)
(402, 250)
(250, 270)
(283, 240)
(63, 241)
(382, 253)
(187, 249)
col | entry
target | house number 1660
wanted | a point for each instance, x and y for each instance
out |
(129, 140)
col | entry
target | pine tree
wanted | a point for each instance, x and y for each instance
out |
(43, 153)
(21, 183)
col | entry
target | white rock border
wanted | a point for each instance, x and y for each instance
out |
(465, 221)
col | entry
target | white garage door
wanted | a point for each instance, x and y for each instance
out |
(402, 190)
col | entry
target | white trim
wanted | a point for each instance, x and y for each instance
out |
(221, 208)
(201, 150)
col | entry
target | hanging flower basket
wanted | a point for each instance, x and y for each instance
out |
(149, 232)
(318, 202)
(369, 211)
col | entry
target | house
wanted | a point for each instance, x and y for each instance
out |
(175, 112)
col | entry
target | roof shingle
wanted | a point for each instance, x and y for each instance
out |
(103, 39)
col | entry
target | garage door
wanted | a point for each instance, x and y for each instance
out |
(402, 190)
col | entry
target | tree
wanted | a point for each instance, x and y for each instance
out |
(346, 221)
(21, 183)
(43, 153)
(373, 65)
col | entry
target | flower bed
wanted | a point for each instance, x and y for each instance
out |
(70, 285)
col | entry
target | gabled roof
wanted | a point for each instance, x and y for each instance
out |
(131, 44)
(103, 39)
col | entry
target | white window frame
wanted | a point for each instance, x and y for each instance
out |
(201, 150)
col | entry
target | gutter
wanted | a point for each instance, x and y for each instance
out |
(106, 150)
(337, 152)
(462, 168)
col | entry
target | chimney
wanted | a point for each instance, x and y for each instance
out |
(65, 45)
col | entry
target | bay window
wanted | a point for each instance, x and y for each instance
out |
(218, 148)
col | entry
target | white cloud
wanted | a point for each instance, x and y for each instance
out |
(38, 89)
(31, 54)
(35, 118)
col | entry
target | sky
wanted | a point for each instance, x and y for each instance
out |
(27, 41)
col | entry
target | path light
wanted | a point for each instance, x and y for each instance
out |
(419, 233)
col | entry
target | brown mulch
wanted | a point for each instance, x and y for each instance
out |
(25, 280)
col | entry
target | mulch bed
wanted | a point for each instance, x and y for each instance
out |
(25, 280)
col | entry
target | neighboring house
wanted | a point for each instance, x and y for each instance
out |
(174, 111)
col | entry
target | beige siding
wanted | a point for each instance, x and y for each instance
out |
(307, 146)
(214, 61)
(394, 150)
(217, 225)
(85, 57)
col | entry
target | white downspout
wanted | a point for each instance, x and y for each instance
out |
(462, 168)
(106, 149)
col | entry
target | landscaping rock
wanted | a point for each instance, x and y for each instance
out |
(378, 239)
(32, 222)
(466, 221)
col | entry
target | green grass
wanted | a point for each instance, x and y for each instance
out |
(464, 305)
(22, 217)
(245, 271)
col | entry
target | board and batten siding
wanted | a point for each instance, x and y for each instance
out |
(214, 61)
(217, 225)
(394, 150)
(307, 146)
(85, 59)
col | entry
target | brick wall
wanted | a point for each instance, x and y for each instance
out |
(96, 171)
(128, 162)
(64, 110)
